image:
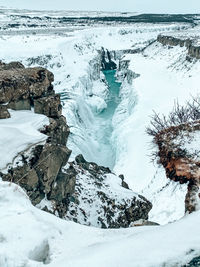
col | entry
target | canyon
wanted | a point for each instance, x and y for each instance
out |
(75, 105)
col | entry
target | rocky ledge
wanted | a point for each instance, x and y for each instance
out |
(80, 191)
(190, 43)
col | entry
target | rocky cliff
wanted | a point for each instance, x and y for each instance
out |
(79, 190)
(190, 43)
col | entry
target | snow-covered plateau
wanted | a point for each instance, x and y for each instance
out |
(106, 128)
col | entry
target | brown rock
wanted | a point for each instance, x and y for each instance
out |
(51, 160)
(4, 113)
(57, 130)
(49, 106)
(20, 83)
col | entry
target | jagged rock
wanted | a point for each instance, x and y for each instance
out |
(193, 49)
(124, 184)
(42, 174)
(106, 62)
(57, 130)
(11, 65)
(49, 106)
(182, 162)
(4, 113)
(100, 200)
(51, 160)
(20, 84)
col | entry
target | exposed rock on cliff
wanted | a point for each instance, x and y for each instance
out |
(106, 62)
(4, 113)
(19, 85)
(101, 200)
(192, 46)
(79, 191)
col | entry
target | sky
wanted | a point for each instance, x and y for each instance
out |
(144, 6)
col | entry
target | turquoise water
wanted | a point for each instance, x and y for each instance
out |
(113, 98)
(105, 120)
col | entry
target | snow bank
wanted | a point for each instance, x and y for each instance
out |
(165, 76)
(19, 133)
(65, 243)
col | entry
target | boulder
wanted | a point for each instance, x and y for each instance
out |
(58, 130)
(52, 159)
(22, 104)
(20, 83)
(11, 65)
(49, 106)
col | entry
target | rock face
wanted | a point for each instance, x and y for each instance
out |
(100, 199)
(41, 172)
(180, 156)
(49, 106)
(80, 191)
(193, 49)
(106, 62)
(19, 86)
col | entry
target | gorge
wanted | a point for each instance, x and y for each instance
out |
(75, 101)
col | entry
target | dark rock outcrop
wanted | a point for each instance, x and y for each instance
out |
(49, 106)
(193, 49)
(19, 86)
(106, 62)
(81, 191)
(40, 174)
(100, 199)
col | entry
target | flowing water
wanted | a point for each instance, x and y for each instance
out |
(105, 120)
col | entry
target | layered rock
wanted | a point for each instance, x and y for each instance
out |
(190, 44)
(19, 86)
(40, 174)
(179, 153)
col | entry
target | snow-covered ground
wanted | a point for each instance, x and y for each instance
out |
(19, 133)
(165, 76)
(30, 237)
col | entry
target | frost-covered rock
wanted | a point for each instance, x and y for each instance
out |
(101, 200)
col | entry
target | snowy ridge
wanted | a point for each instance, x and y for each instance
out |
(45, 239)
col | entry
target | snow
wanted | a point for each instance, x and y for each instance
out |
(71, 54)
(94, 195)
(165, 76)
(19, 133)
(68, 244)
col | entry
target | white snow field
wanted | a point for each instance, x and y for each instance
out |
(30, 237)
(19, 133)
